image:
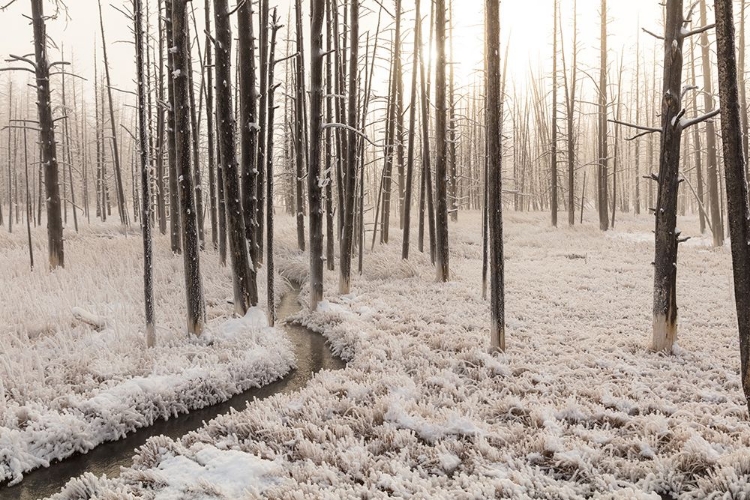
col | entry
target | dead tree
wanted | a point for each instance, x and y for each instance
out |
(161, 208)
(441, 214)
(412, 135)
(672, 124)
(264, 129)
(245, 289)
(121, 204)
(275, 26)
(493, 115)
(602, 176)
(196, 306)
(734, 163)
(347, 237)
(553, 151)
(300, 126)
(251, 155)
(210, 128)
(570, 100)
(316, 134)
(148, 271)
(174, 197)
(717, 227)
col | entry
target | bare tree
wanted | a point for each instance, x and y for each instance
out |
(316, 134)
(148, 272)
(245, 292)
(196, 305)
(602, 177)
(734, 162)
(493, 116)
(345, 253)
(441, 214)
(412, 134)
(121, 204)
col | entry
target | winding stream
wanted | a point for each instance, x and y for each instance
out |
(312, 355)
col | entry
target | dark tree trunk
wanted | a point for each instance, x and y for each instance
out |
(553, 152)
(148, 272)
(412, 134)
(441, 215)
(245, 287)
(717, 226)
(174, 195)
(300, 126)
(251, 155)
(316, 133)
(48, 145)
(665, 259)
(345, 253)
(734, 163)
(196, 307)
(493, 115)
(194, 136)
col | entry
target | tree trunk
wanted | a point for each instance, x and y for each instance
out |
(148, 272)
(196, 307)
(264, 129)
(734, 163)
(209, 72)
(345, 253)
(717, 226)
(316, 134)
(493, 114)
(121, 205)
(412, 135)
(174, 196)
(553, 152)
(269, 170)
(441, 215)
(245, 288)
(603, 150)
(666, 235)
(47, 138)
(251, 155)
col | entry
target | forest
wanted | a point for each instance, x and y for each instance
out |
(374, 248)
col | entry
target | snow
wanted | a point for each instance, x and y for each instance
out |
(577, 407)
(74, 367)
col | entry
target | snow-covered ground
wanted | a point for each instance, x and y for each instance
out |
(578, 407)
(74, 369)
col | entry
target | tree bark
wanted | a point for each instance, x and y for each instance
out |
(48, 145)
(441, 215)
(412, 135)
(345, 253)
(493, 114)
(316, 133)
(734, 163)
(602, 178)
(148, 272)
(196, 306)
(245, 288)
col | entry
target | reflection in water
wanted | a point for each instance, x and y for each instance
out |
(312, 355)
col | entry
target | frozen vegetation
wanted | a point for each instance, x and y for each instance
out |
(74, 370)
(578, 407)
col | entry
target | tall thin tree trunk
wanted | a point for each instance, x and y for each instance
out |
(737, 196)
(209, 72)
(196, 306)
(148, 272)
(121, 205)
(603, 176)
(717, 226)
(441, 214)
(493, 114)
(345, 253)
(245, 288)
(316, 133)
(47, 138)
(412, 135)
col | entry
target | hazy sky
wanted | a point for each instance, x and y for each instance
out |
(528, 23)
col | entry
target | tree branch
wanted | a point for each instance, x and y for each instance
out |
(697, 31)
(702, 118)
(653, 34)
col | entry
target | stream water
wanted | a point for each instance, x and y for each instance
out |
(312, 355)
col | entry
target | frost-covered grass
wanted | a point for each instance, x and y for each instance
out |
(67, 385)
(578, 407)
